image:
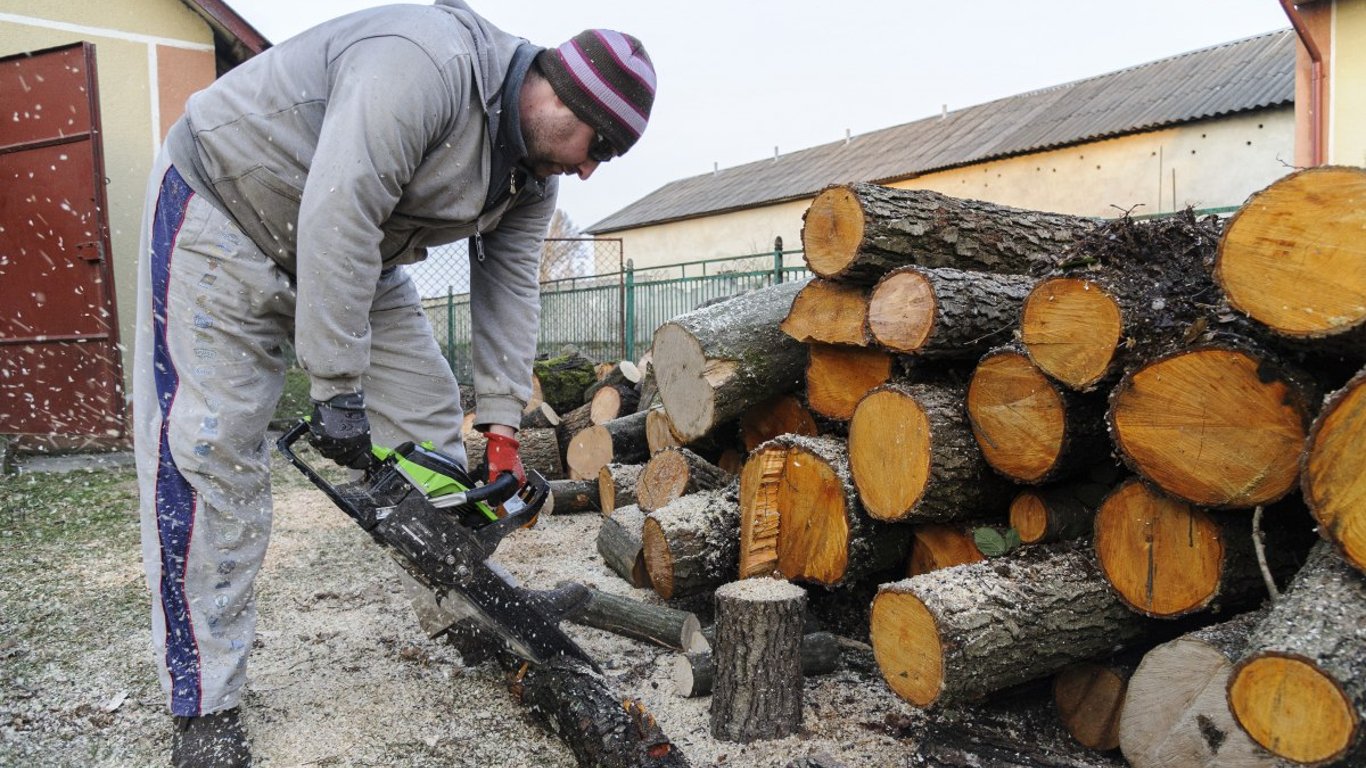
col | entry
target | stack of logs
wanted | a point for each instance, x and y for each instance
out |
(1049, 439)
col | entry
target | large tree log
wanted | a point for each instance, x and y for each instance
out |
(1293, 259)
(913, 457)
(782, 415)
(838, 377)
(621, 546)
(1300, 690)
(617, 486)
(692, 545)
(570, 496)
(620, 441)
(829, 312)
(1176, 710)
(1165, 558)
(800, 516)
(695, 673)
(603, 729)
(857, 232)
(659, 624)
(713, 364)
(1029, 428)
(1334, 470)
(965, 632)
(758, 692)
(1215, 424)
(563, 380)
(945, 312)
(1134, 288)
(673, 473)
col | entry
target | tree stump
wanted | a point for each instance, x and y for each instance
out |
(829, 312)
(621, 546)
(714, 363)
(838, 377)
(758, 692)
(913, 457)
(695, 673)
(945, 312)
(673, 473)
(1176, 710)
(858, 232)
(1334, 475)
(966, 632)
(692, 544)
(1300, 689)
(1235, 409)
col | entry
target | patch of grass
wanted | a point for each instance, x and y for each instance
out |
(294, 403)
(76, 508)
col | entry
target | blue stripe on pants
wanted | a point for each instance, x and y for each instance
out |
(175, 499)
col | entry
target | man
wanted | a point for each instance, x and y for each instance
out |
(283, 203)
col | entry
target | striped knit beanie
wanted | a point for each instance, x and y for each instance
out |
(608, 81)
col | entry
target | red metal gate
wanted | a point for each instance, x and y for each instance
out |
(60, 370)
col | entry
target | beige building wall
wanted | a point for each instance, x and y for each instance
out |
(149, 55)
(1347, 109)
(1212, 164)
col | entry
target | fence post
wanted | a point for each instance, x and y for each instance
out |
(777, 260)
(629, 337)
(450, 327)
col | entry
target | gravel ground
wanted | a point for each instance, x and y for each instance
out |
(341, 674)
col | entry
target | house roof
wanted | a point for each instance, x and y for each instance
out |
(1255, 73)
(234, 39)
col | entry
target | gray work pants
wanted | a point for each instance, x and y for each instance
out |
(214, 313)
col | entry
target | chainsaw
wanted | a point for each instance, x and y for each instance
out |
(426, 512)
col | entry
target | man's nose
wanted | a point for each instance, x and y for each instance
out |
(585, 169)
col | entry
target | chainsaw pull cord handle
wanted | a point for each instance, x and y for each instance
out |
(286, 446)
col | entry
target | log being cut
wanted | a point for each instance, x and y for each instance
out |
(858, 232)
(713, 363)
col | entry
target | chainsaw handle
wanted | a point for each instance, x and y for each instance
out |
(496, 492)
(285, 445)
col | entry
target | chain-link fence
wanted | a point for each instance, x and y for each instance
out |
(581, 298)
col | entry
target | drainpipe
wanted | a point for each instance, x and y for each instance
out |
(1315, 81)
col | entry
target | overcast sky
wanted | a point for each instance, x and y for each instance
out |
(739, 77)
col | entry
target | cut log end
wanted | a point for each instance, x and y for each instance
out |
(902, 311)
(1293, 709)
(760, 489)
(658, 558)
(589, 452)
(1090, 698)
(664, 478)
(1018, 418)
(799, 493)
(1070, 328)
(1334, 479)
(1225, 406)
(1029, 516)
(837, 378)
(906, 645)
(889, 453)
(687, 395)
(828, 312)
(782, 415)
(1163, 557)
(934, 547)
(1291, 258)
(832, 231)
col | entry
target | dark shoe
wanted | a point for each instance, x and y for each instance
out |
(566, 600)
(210, 741)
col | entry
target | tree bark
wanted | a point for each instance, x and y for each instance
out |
(563, 380)
(571, 496)
(617, 486)
(541, 415)
(913, 457)
(1031, 429)
(945, 312)
(540, 450)
(1291, 257)
(858, 232)
(1176, 710)
(1334, 470)
(673, 473)
(1165, 558)
(782, 415)
(800, 516)
(695, 673)
(837, 378)
(829, 312)
(758, 692)
(621, 547)
(1300, 689)
(713, 364)
(620, 441)
(966, 632)
(658, 624)
(1235, 408)
(692, 544)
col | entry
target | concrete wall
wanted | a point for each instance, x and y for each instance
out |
(149, 56)
(1210, 164)
(1347, 77)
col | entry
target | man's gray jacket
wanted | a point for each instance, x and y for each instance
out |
(355, 146)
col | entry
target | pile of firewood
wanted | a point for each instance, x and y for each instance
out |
(1049, 440)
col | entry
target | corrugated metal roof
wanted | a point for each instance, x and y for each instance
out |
(1244, 75)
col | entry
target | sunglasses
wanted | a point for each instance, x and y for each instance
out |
(601, 150)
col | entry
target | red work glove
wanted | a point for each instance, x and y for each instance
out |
(501, 456)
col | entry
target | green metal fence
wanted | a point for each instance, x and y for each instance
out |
(608, 314)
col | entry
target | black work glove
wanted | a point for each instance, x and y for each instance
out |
(340, 431)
